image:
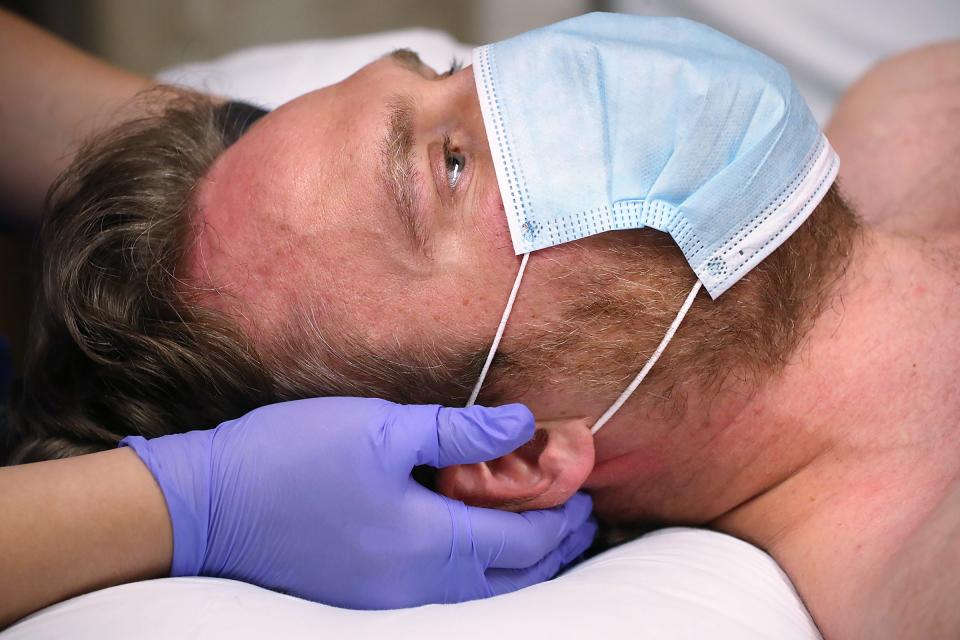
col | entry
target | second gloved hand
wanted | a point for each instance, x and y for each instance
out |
(315, 498)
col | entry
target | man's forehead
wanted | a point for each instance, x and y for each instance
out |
(254, 196)
(311, 152)
(313, 119)
(310, 122)
(292, 197)
(281, 159)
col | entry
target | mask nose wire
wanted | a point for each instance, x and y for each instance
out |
(619, 402)
(499, 335)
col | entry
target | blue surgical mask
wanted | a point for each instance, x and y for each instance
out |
(607, 122)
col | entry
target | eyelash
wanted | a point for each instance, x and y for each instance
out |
(449, 157)
(455, 65)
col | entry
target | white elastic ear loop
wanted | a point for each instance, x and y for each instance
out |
(602, 420)
(497, 338)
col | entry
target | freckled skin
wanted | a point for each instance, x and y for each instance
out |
(294, 213)
(286, 219)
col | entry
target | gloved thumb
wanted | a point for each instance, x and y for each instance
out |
(447, 436)
(478, 434)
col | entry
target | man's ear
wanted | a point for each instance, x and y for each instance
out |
(543, 473)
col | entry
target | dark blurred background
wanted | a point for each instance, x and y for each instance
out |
(147, 35)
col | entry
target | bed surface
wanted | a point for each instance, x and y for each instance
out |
(674, 583)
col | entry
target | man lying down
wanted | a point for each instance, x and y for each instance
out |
(642, 175)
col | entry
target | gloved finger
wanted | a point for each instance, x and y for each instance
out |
(509, 580)
(505, 540)
(443, 436)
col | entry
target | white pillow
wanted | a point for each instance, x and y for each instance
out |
(674, 583)
(271, 75)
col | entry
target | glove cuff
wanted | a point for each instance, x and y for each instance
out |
(180, 465)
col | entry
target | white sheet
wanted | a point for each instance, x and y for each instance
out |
(671, 584)
(272, 75)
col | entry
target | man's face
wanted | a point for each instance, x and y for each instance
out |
(373, 206)
(374, 201)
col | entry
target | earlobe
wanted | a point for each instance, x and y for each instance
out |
(543, 473)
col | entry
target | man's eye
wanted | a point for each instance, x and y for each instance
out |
(455, 163)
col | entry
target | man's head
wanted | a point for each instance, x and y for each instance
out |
(353, 242)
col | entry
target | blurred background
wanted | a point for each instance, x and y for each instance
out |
(825, 44)
(147, 35)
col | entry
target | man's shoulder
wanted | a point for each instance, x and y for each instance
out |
(894, 130)
(915, 594)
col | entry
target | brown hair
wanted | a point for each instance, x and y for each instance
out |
(636, 284)
(114, 349)
(121, 345)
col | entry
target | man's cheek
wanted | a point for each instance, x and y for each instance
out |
(491, 219)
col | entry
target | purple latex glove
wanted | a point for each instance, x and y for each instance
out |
(315, 498)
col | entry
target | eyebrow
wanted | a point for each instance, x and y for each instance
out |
(408, 58)
(399, 173)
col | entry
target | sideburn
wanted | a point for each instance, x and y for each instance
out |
(618, 304)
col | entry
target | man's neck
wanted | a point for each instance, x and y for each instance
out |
(844, 397)
(870, 384)
(866, 414)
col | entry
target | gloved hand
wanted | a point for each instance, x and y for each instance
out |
(315, 498)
